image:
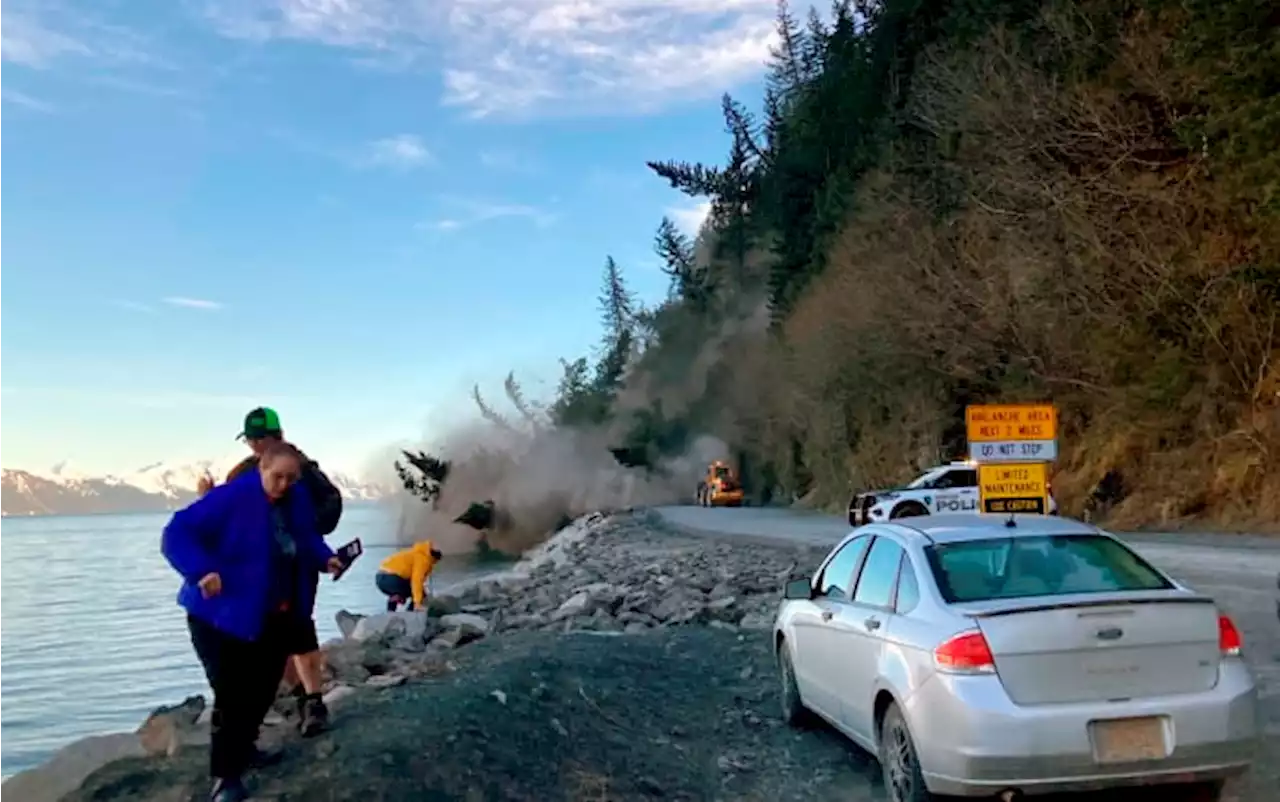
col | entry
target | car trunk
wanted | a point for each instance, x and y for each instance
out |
(1084, 648)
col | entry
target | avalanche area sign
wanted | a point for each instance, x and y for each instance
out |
(1014, 487)
(1012, 432)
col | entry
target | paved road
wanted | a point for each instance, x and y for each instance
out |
(1239, 572)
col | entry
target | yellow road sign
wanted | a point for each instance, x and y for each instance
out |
(1012, 432)
(1014, 487)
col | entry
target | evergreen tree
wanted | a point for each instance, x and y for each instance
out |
(617, 305)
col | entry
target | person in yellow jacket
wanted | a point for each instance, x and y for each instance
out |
(403, 575)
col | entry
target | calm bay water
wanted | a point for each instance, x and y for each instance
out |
(91, 638)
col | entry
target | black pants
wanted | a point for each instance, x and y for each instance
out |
(244, 676)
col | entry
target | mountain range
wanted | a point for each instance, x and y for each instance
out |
(158, 487)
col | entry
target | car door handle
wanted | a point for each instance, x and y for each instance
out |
(872, 624)
(826, 615)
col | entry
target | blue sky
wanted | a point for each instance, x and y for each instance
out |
(351, 210)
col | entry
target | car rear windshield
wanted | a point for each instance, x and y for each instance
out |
(1055, 565)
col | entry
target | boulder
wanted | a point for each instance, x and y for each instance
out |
(344, 662)
(385, 680)
(471, 623)
(337, 695)
(389, 627)
(460, 628)
(164, 730)
(347, 622)
(69, 767)
(756, 621)
(440, 604)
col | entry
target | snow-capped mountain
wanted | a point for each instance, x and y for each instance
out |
(65, 490)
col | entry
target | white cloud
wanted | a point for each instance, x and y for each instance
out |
(401, 151)
(690, 217)
(503, 58)
(26, 101)
(28, 41)
(192, 303)
(472, 212)
(41, 33)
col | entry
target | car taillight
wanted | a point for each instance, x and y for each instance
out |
(1229, 640)
(966, 653)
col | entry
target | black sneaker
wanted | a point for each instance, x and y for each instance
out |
(230, 790)
(315, 716)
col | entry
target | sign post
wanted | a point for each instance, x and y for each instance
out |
(1012, 445)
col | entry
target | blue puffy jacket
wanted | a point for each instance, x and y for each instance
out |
(229, 531)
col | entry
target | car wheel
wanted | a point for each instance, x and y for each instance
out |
(903, 780)
(853, 511)
(909, 509)
(794, 713)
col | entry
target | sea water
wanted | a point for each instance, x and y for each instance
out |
(91, 638)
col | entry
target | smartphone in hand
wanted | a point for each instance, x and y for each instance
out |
(348, 555)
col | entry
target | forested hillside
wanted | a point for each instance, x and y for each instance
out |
(952, 202)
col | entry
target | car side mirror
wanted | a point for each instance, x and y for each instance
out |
(798, 589)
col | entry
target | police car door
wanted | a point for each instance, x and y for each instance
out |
(955, 491)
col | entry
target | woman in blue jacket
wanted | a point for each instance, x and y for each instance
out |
(246, 552)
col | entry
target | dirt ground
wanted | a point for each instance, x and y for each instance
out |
(673, 714)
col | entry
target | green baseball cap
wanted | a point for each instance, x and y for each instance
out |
(259, 423)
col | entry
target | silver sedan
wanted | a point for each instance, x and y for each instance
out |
(981, 655)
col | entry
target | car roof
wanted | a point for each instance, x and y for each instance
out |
(957, 528)
(948, 466)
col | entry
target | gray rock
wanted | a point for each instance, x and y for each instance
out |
(69, 767)
(389, 627)
(720, 591)
(345, 662)
(472, 623)
(385, 680)
(449, 639)
(162, 733)
(347, 622)
(441, 604)
(724, 609)
(578, 604)
(756, 621)
(337, 694)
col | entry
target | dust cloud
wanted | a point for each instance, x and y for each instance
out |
(539, 477)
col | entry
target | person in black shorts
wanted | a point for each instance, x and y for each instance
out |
(247, 553)
(304, 673)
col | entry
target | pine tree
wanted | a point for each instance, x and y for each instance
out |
(617, 305)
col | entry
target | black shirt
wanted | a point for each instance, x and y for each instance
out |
(284, 561)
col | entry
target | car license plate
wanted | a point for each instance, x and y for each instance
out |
(1128, 739)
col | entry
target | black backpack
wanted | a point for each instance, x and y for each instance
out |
(324, 496)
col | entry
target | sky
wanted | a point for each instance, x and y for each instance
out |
(349, 210)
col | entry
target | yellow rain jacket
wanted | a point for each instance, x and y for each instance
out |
(415, 565)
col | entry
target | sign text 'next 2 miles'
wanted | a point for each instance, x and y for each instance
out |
(1012, 432)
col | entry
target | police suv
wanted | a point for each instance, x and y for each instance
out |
(946, 488)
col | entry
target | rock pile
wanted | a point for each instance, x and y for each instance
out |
(618, 574)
